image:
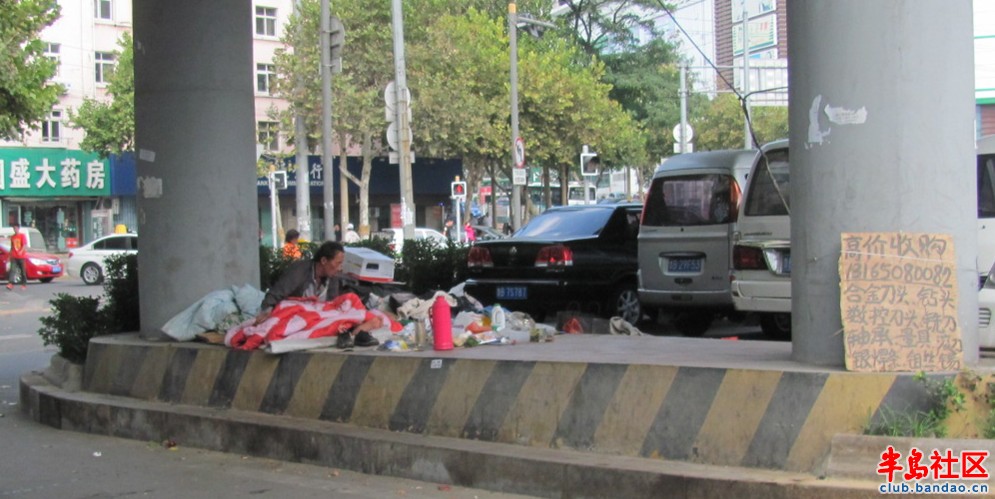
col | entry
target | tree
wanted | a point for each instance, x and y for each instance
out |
(721, 125)
(110, 125)
(26, 94)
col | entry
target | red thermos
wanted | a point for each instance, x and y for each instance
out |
(442, 324)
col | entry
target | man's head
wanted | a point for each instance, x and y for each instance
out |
(350, 227)
(328, 259)
(292, 236)
(16, 227)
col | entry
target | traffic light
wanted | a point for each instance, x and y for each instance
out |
(589, 164)
(280, 180)
(458, 189)
(336, 39)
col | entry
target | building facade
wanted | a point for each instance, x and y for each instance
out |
(71, 196)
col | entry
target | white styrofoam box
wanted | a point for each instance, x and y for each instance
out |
(368, 265)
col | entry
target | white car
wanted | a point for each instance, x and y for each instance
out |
(396, 237)
(761, 254)
(88, 261)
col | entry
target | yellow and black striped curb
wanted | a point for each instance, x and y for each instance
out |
(738, 417)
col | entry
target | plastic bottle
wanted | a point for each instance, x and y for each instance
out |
(442, 324)
(497, 317)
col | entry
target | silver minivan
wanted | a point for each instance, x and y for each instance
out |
(686, 235)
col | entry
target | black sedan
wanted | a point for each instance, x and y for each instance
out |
(568, 258)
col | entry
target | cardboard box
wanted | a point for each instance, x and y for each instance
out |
(368, 265)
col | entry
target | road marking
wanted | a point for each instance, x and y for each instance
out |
(18, 337)
(25, 311)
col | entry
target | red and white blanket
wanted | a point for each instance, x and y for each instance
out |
(297, 318)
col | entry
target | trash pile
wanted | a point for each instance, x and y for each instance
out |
(431, 324)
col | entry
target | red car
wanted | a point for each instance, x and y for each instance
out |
(40, 266)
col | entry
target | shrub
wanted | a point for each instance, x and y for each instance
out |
(428, 266)
(76, 319)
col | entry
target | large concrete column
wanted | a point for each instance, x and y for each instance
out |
(195, 144)
(882, 139)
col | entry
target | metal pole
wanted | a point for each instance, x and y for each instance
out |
(272, 207)
(328, 191)
(516, 194)
(746, 78)
(684, 108)
(403, 139)
(303, 194)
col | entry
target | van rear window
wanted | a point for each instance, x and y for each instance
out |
(769, 194)
(689, 200)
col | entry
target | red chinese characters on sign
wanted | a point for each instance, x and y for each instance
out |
(943, 465)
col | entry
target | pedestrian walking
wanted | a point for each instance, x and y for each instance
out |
(18, 254)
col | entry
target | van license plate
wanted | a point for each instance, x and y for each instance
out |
(684, 265)
(512, 293)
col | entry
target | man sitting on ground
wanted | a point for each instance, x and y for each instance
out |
(320, 278)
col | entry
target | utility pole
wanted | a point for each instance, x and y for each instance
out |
(404, 127)
(516, 192)
(303, 169)
(332, 38)
(684, 109)
(746, 78)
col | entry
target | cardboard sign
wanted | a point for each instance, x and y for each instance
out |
(899, 302)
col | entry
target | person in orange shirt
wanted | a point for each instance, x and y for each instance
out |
(18, 253)
(290, 247)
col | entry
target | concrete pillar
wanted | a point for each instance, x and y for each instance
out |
(195, 145)
(882, 139)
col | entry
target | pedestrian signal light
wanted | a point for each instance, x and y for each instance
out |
(280, 180)
(459, 189)
(589, 164)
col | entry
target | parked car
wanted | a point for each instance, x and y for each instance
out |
(568, 257)
(396, 237)
(88, 261)
(486, 233)
(761, 275)
(686, 235)
(35, 239)
(38, 265)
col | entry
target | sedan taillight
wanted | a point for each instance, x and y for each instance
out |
(557, 255)
(748, 258)
(479, 257)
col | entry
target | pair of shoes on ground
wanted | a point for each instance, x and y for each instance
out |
(362, 339)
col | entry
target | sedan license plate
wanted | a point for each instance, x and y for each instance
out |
(56, 269)
(684, 265)
(512, 293)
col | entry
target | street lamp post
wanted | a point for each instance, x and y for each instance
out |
(513, 20)
(516, 193)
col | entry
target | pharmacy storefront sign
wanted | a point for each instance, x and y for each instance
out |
(39, 172)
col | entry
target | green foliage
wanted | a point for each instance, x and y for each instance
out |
(428, 266)
(74, 320)
(943, 397)
(110, 125)
(26, 92)
(121, 291)
(721, 125)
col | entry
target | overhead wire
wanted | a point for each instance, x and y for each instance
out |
(741, 97)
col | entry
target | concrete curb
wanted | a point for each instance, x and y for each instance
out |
(472, 463)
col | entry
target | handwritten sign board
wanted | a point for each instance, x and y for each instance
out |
(898, 299)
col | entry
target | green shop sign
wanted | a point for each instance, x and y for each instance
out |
(37, 172)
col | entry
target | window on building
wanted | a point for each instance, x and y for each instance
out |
(51, 127)
(265, 74)
(269, 135)
(52, 51)
(103, 66)
(102, 10)
(266, 21)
